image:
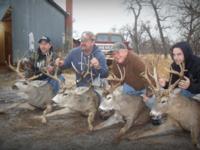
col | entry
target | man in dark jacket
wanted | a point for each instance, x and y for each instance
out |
(44, 57)
(190, 85)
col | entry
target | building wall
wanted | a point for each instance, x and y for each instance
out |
(39, 17)
(2, 53)
(5, 43)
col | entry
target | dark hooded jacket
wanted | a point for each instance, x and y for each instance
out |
(192, 65)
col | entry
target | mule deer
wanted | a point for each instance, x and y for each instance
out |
(36, 90)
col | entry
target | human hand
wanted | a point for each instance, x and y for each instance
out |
(94, 62)
(50, 69)
(184, 84)
(59, 62)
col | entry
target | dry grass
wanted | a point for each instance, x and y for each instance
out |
(162, 63)
(147, 58)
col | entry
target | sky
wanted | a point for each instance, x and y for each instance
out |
(103, 15)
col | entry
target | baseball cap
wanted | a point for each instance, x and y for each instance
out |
(44, 38)
(117, 46)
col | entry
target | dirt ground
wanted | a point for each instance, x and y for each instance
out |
(20, 131)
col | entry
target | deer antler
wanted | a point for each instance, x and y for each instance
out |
(55, 77)
(152, 79)
(180, 74)
(82, 74)
(17, 70)
(119, 80)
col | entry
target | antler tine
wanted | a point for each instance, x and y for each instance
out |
(122, 75)
(170, 78)
(88, 70)
(75, 69)
(115, 78)
(155, 71)
(146, 75)
(13, 68)
(155, 74)
(46, 72)
(49, 75)
(180, 74)
(34, 77)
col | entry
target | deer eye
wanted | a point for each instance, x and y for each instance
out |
(65, 94)
(163, 101)
(108, 97)
(25, 83)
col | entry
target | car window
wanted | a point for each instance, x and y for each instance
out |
(116, 38)
(102, 38)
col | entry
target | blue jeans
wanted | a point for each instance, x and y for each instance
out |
(186, 93)
(127, 89)
(55, 84)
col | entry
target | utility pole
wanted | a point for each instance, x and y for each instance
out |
(68, 26)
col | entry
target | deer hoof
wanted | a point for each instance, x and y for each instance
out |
(91, 128)
(98, 127)
(44, 120)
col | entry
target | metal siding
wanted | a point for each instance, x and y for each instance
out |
(3, 9)
(39, 17)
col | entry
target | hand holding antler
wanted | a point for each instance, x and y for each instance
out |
(59, 62)
(94, 62)
(184, 84)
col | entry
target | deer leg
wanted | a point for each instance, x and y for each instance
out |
(18, 105)
(114, 119)
(55, 113)
(91, 120)
(129, 122)
(27, 106)
(165, 128)
(195, 136)
(123, 130)
(46, 111)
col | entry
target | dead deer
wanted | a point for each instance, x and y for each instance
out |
(82, 100)
(182, 113)
(36, 90)
(73, 100)
(128, 109)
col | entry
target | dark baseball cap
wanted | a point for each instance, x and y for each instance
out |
(44, 38)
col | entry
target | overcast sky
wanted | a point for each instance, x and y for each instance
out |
(102, 15)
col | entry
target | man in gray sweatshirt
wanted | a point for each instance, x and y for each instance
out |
(87, 60)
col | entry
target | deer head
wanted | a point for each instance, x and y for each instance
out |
(163, 97)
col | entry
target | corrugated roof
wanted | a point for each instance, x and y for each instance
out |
(53, 3)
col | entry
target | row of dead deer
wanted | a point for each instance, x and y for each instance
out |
(182, 113)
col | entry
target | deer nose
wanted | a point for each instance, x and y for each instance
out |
(14, 87)
(105, 114)
(154, 113)
(156, 117)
